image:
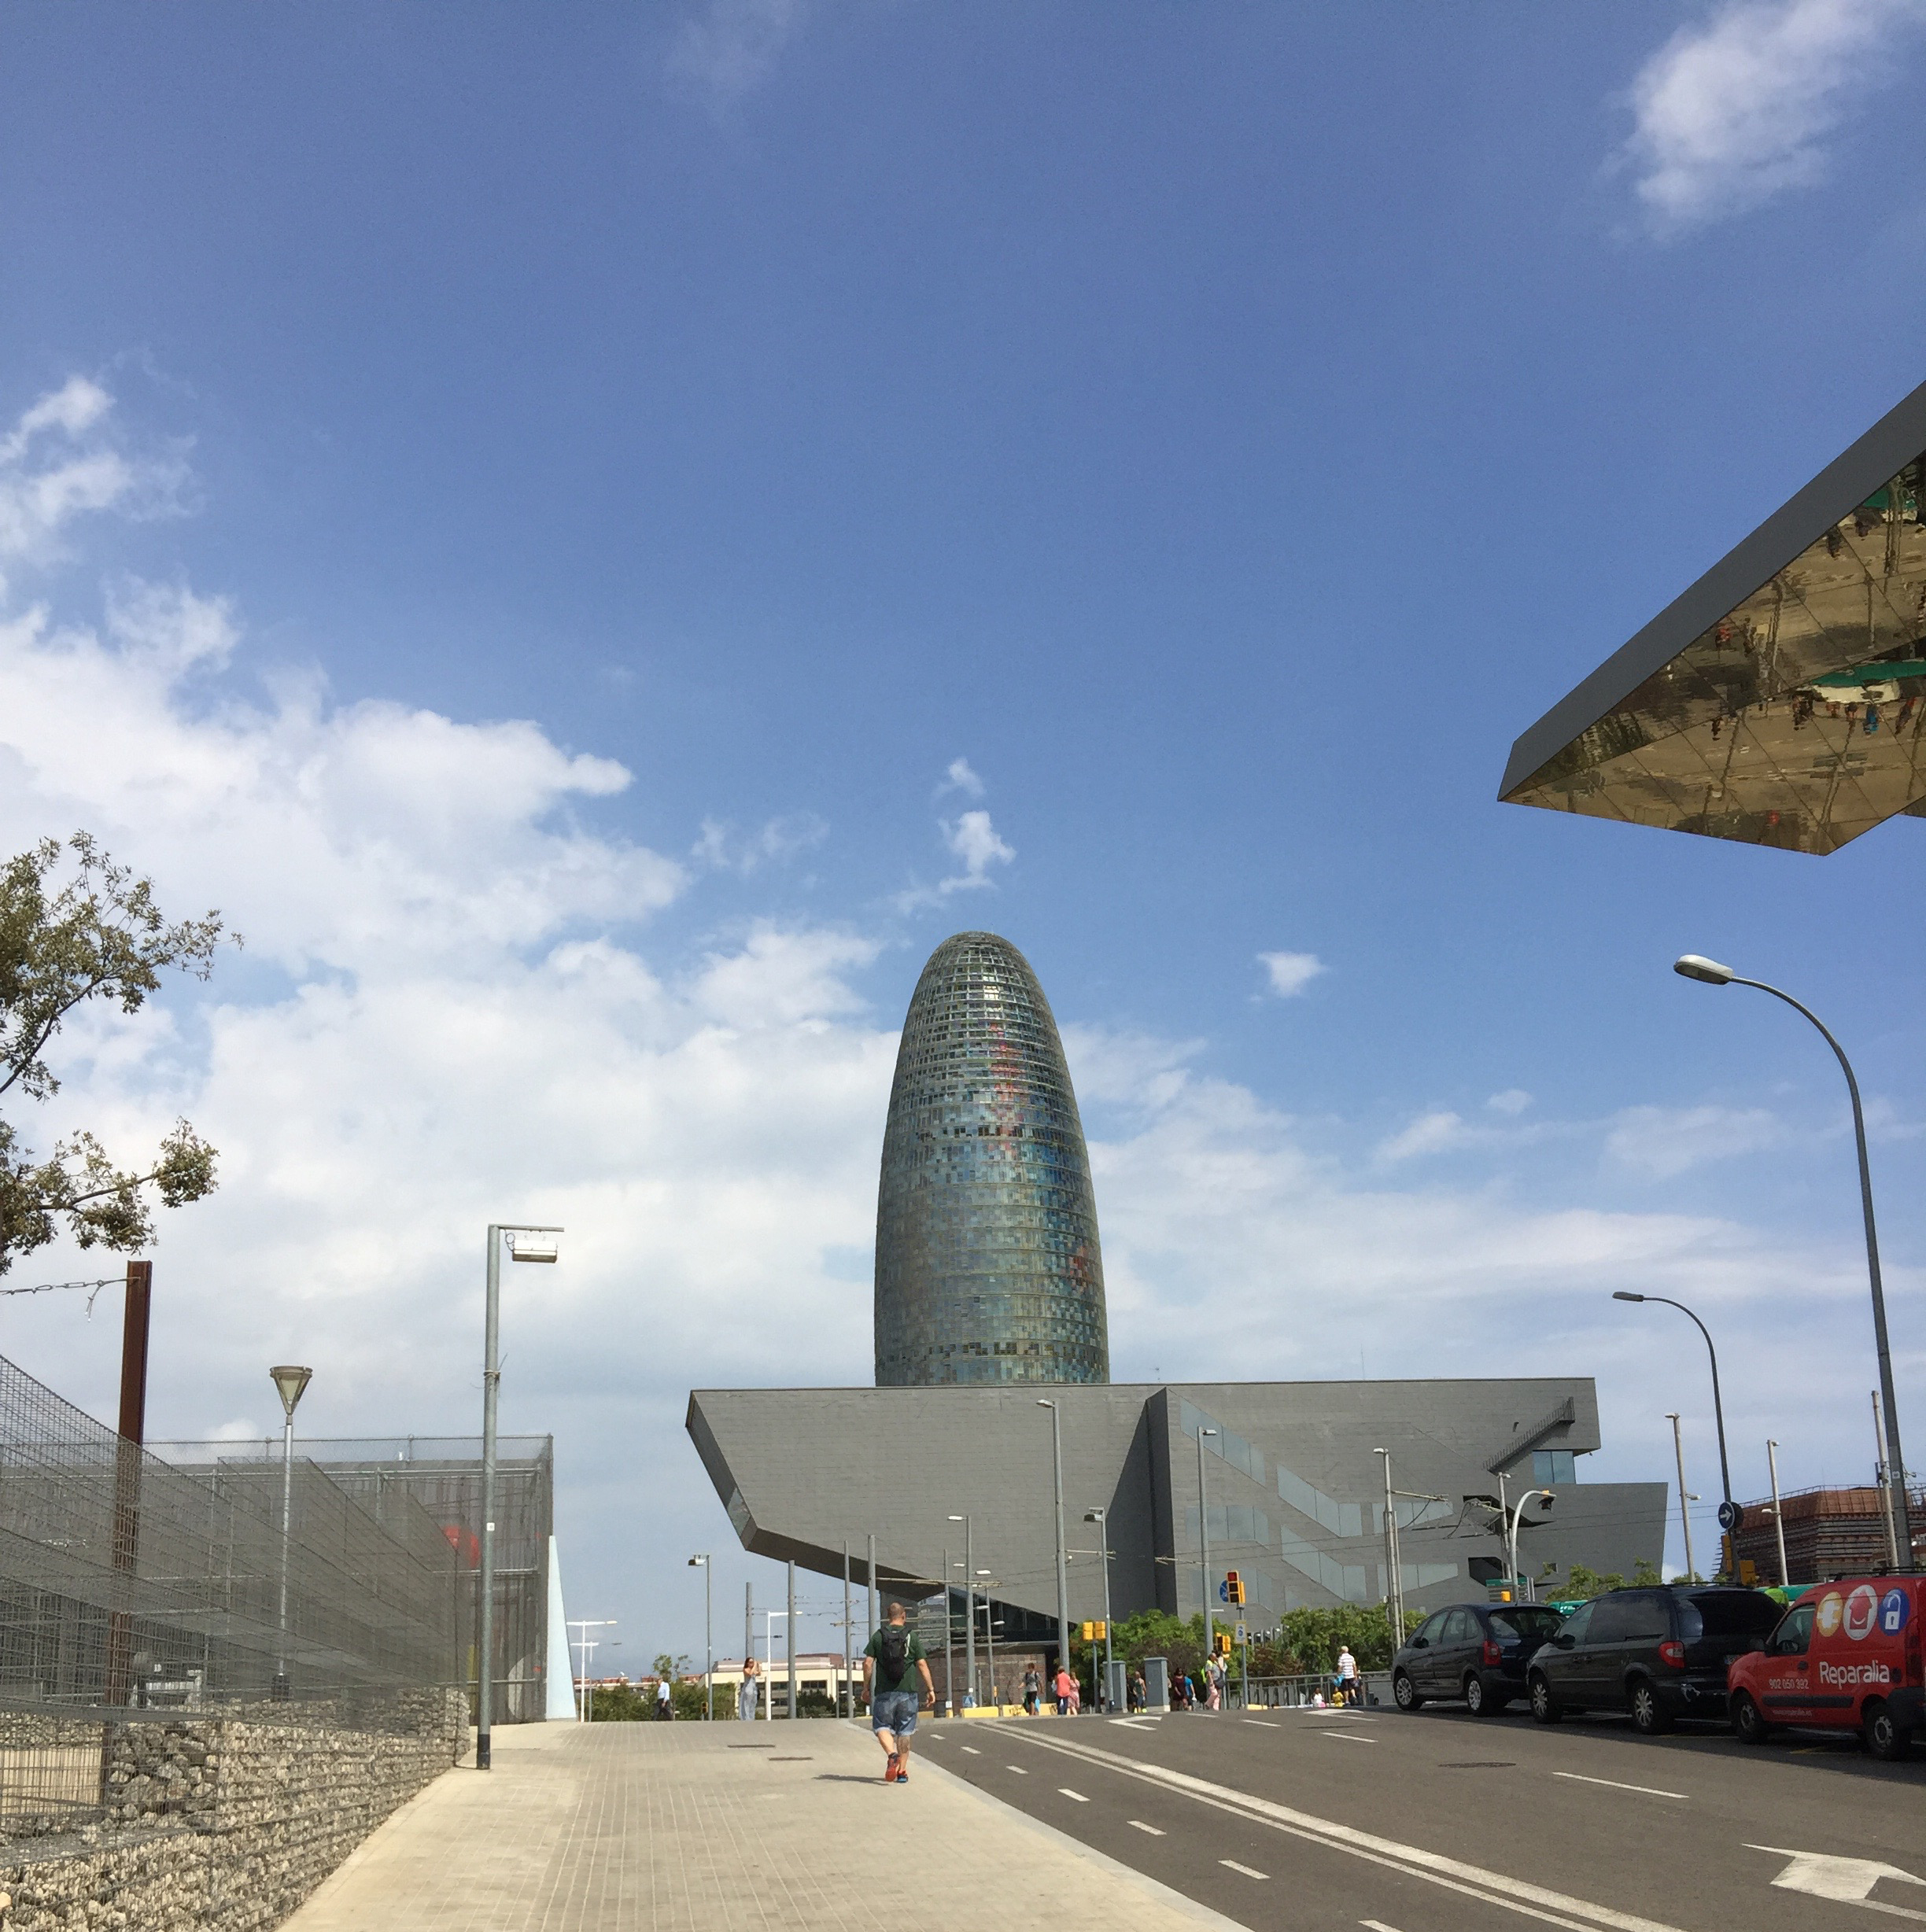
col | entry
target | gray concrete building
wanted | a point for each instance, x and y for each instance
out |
(1292, 1482)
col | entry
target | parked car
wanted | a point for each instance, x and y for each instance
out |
(1848, 1656)
(1661, 1654)
(1476, 1651)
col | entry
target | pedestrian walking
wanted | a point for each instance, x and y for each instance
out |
(1347, 1675)
(1062, 1684)
(1033, 1689)
(665, 1699)
(1214, 1678)
(896, 1679)
(745, 1696)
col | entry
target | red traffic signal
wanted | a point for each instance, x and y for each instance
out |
(1234, 1587)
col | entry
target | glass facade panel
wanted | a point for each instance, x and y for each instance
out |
(987, 1266)
(1795, 719)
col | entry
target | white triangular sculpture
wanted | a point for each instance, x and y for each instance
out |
(561, 1670)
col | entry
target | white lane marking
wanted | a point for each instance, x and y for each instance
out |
(1848, 1880)
(1018, 1769)
(1264, 1724)
(1650, 1790)
(1245, 1869)
(1450, 1875)
(1378, 1925)
(972, 1750)
(1136, 1723)
(1068, 1793)
(1346, 1736)
(1156, 1831)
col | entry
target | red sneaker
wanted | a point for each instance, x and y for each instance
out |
(892, 1770)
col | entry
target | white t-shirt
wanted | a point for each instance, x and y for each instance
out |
(1346, 1664)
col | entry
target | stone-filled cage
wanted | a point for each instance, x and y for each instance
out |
(987, 1264)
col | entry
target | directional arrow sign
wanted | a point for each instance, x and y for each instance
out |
(1848, 1880)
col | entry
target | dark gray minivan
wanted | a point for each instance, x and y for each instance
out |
(1660, 1655)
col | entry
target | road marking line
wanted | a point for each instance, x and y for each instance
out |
(1264, 1724)
(1378, 1925)
(1650, 1790)
(1245, 1869)
(1018, 1769)
(1346, 1736)
(1156, 1831)
(972, 1750)
(1078, 1795)
(1450, 1875)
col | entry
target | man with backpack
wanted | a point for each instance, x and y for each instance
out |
(893, 1664)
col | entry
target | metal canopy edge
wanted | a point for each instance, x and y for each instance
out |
(1891, 443)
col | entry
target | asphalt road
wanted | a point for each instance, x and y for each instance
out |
(1440, 1822)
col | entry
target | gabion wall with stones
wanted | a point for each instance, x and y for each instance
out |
(222, 1823)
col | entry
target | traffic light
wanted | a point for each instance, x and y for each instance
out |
(1224, 1643)
(1234, 1588)
(1090, 1632)
(1100, 1630)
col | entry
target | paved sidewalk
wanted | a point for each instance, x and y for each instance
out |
(606, 1827)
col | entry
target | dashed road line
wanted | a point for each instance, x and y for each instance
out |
(1377, 1925)
(1650, 1790)
(1018, 1769)
(1156, 1831)
(1347, 1737)
(1247, 1871)
(1451, 1875)
(1264, 1724)
(972, 1750)
(1067, 1792)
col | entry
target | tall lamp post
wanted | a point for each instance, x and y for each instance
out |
(524, 1244)
(969, 1607)
(1728, 1515)
(701, 1563)
(1710, 972)
(1063, 1566)
(1678, 1451)
(1210, 1622)
(290, 1382)
(1101, 1519)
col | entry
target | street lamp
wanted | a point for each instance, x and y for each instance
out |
(1063, 1566)
(1729, 1513)
(701, 1563)
(1210, 1624)
(1101, 1519)
(1710, 972)
(1544, 1498)
(969, 1606)
(1678, 1451)
(525, 1244)
(290, 1383)
(1771, 1463)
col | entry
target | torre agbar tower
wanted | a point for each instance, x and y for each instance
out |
(987, 1268)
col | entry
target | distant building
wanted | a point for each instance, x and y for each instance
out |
(1828, 1533)
(987, 1266)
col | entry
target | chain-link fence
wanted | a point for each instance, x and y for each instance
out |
(442, 1476)
(127, 1580)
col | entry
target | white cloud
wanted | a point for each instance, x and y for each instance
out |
(720, 848)
(53, 469)
(960, 777)
(1660, 1142)
(973, 839)
(1429, 1134)
(733, 46)
(1737, 108)
(1513, 1100)
(1289, 973)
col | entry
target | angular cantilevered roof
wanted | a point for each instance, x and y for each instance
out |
(1780, 700)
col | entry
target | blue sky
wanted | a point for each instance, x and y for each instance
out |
(541, 504)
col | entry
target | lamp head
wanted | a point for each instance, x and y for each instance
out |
(1093, 1516)
(1625, 1294)
(699, 1562)
(534, 1243)
(1696, 966)
(290, 1382)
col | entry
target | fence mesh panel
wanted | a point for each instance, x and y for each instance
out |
(126, 1580)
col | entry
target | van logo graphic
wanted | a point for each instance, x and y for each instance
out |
(1895, 1608)
(1831, 1606)
(1861, 1613)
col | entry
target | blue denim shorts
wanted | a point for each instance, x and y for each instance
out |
(893, 1711)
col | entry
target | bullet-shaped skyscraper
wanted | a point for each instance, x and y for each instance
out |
(988, 1267)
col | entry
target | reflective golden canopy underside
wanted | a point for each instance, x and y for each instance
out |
(1794, 718)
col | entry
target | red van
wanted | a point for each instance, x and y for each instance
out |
(1846, 1656)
